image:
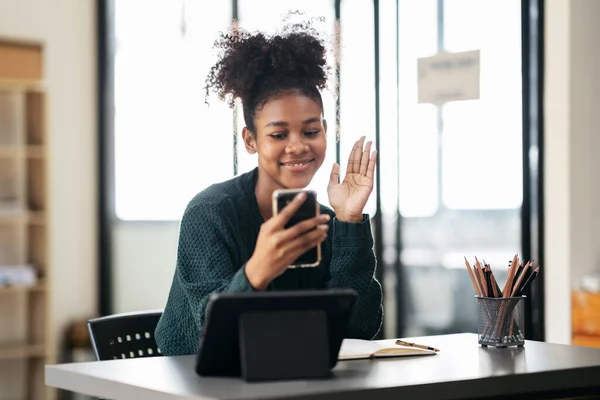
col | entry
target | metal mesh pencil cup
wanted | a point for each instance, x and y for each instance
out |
(501, 321)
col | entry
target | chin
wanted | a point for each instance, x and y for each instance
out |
(297, 182)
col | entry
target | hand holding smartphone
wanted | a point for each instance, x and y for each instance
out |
(291, 238)
(309, 209)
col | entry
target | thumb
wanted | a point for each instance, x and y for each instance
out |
(335, 175)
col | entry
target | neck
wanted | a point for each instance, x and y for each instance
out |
(263, 191)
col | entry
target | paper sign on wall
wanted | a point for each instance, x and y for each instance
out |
(449, 77)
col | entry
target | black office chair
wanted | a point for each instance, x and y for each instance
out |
(127, 335)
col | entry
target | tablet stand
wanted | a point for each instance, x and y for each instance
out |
(276, 345)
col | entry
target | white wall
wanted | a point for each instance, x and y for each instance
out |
(68, 30)
(572, 123)
(144, 256)
(585, 128)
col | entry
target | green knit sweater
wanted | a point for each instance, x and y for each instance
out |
(217, 236)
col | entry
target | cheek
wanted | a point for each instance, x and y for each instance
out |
(270, 150)
(321, 146)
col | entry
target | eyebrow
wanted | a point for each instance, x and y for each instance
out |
(283, 123)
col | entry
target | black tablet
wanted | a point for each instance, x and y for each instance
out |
(219, 346)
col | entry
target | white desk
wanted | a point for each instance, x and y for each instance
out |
(461, 370)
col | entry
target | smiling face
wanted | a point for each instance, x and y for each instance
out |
(290, 142)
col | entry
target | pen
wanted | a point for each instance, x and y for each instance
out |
(420, 346)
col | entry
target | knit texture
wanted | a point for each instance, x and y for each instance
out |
(217, 236)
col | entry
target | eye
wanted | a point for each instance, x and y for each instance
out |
(278, 136)
(312, 133)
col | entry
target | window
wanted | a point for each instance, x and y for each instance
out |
(161, 62)
(357, 81)
(460, 169)
(451, 176)
(482, 139)
(169, 144)
(418, 142)
(478, 149)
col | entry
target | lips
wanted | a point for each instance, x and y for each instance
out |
(297, 165)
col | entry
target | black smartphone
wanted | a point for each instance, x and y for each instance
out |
(308, 210)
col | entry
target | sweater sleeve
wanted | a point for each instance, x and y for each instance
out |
(206, 255)
(206, 263)
(352, 266)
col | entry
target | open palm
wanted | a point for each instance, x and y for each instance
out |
(349, 197)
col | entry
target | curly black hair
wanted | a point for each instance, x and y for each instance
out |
(256, 68)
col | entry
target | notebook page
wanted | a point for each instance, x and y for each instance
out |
(358, 348)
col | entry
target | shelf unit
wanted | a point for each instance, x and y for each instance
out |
(585, 318)
(25, 338)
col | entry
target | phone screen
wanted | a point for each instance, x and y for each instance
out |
(307, 210)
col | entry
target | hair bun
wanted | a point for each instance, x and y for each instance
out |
(249, 61)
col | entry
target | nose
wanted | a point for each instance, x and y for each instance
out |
(296, 145)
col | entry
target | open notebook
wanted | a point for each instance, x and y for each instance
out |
(356, 349)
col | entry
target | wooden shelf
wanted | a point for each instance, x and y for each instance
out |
(10, 151)
(31, 217)
(39, 287)
(25, 317)
(36, 217)
(32, 151)
(36, 151)
(12, 213)
(21, 350)
(20, 85)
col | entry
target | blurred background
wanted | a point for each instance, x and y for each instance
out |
(105, 136)
(450, 179)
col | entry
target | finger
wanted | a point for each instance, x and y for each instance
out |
(334, 178)
(364, 161)
(306, 242)
(290, 209)
(302, 227)
(372, 163)
(354, 157)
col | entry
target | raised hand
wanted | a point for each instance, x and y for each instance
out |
(349, 197)
(277, 247)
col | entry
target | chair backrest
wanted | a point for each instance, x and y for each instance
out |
(127, 335)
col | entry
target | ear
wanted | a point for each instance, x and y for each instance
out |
(249, 141)
(325, 125)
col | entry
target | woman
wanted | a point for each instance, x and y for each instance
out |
(229, 240)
